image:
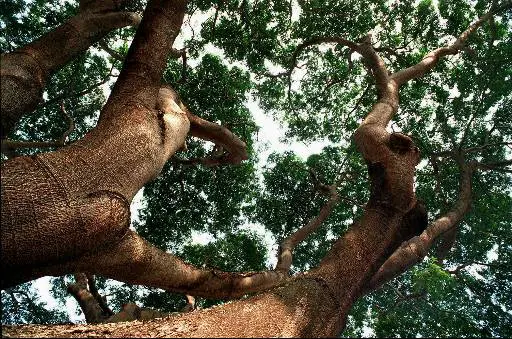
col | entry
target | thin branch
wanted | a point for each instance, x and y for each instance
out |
(432, 58)
(466, 130)
(205, 161)
(88, 90)
(435, 165)
(112, 52)
(101, 300)
(483, 147)
(457, 270)
(401, 298)
(284, 260)
(15, 144)
(497, 166)
(15, 303)
(359, 100)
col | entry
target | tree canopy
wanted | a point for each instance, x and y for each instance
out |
(304, 63)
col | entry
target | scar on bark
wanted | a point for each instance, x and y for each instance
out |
(401, 143)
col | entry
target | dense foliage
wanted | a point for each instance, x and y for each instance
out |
(242, 52)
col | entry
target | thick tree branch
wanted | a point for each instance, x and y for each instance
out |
(415, 249)
(140, 79)
(150, 266)
(317, 41)
(26, 70)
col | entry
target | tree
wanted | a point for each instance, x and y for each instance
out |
(67, 211)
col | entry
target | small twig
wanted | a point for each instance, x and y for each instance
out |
(497, 166)
(9, 145)
(112, 52)
(483, 147)
(463, 266)
(88, 90)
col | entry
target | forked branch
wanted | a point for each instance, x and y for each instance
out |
(222, 137)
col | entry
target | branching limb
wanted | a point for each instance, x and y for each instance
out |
(150, 266)
(415, 249)
(457, 269)
(222, 137)
(112, 52)
(139, 82)
(26, 70)
(401, 298)
(88, 90)
(486, 146)
(496, 166)
(88, 303)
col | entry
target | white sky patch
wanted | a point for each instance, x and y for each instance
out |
(492, 254)
(137, 204)
(296, 10)
(201, 238)
(271, 137)
(71, 306)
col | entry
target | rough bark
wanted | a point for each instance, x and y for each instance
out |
(24, 72)
(415, 249)
(153, 267)
(57, 206)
